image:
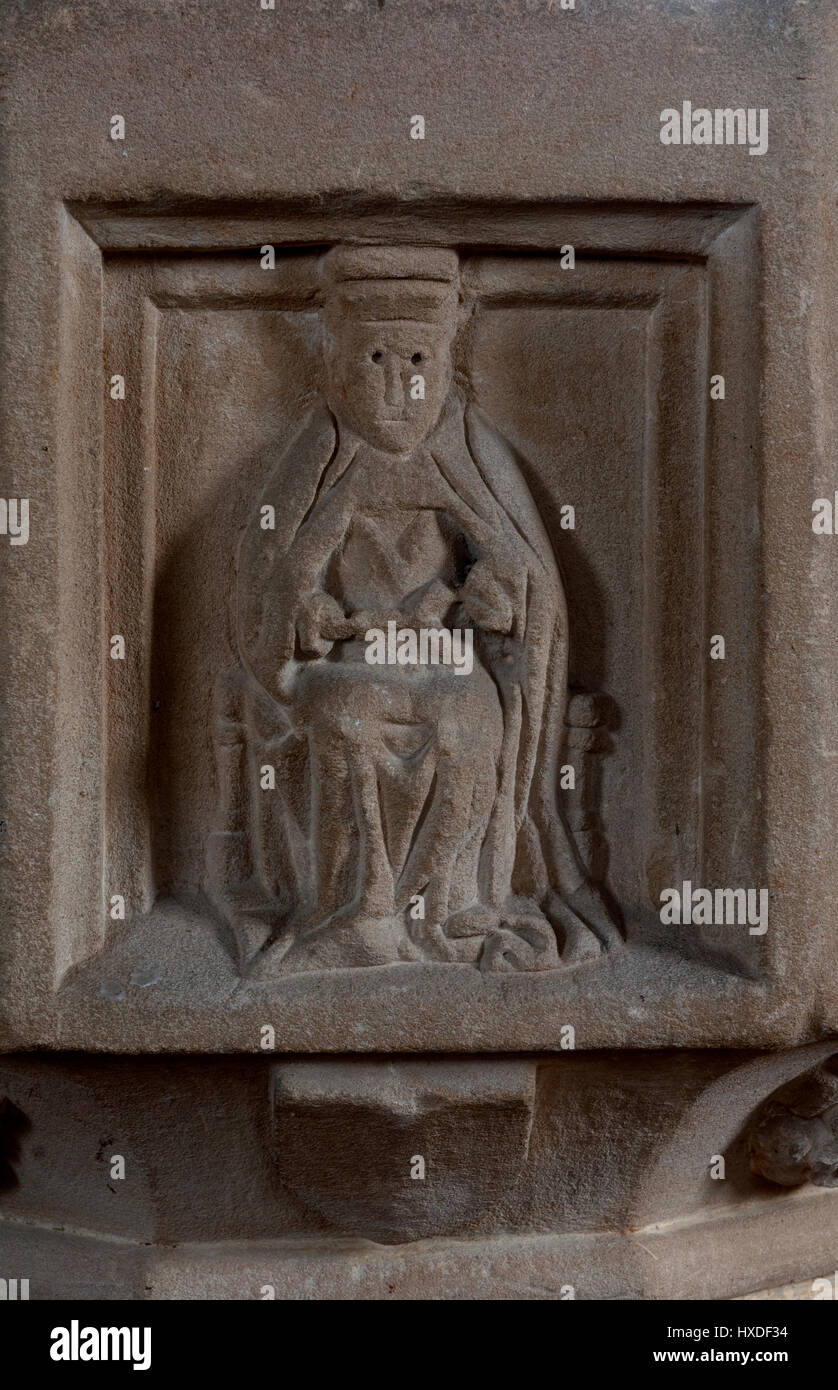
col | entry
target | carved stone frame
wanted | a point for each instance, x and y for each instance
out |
(695, 269)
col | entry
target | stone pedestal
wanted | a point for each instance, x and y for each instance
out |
(586, 1177)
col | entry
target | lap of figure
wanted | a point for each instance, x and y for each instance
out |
(404, 781)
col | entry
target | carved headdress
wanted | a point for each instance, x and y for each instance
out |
(420, 284)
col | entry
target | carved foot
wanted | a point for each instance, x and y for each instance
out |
(517, 939)
(522, 940)
(346, 940)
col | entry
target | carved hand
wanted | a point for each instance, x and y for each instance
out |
(486, 599)
(321, 623)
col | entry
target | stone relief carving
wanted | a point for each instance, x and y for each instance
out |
(794, 1136)
(415, 813)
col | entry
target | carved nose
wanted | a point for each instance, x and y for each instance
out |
(393, 390)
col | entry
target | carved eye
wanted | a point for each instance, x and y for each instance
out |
(417, 357)
(377, 356)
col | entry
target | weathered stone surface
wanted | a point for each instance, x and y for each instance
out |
(218, 312)
(679, 251)
(213, 828)
(397, 1153)
(794, 1135)
(592, 1171)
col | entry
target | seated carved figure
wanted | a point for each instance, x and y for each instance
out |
(423, 802)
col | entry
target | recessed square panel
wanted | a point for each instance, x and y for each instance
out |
(593, 382)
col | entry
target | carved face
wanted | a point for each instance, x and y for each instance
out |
(372, 371)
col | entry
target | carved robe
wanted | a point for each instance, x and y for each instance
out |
(427, 813)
